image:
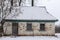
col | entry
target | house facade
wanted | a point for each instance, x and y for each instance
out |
(28, 19)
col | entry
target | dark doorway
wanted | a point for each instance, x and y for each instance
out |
(15, 29)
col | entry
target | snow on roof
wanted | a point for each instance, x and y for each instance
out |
(30, 13)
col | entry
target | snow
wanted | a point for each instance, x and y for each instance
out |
(31, 37)
(30, 13)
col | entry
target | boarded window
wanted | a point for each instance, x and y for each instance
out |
(29, 27)
(42, 27)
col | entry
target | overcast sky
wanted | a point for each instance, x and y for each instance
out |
(53, 7)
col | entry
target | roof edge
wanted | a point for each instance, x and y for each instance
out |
(9, 20)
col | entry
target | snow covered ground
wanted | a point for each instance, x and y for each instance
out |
(32, 37)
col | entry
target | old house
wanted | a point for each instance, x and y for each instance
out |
(28, 18)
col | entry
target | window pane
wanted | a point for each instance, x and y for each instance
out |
(42, 27)
(29, 26)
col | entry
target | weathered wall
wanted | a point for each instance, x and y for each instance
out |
(49, 29)
(7, 27)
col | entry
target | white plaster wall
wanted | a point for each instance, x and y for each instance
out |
(49, 28)
(7, 27)
(22, 28)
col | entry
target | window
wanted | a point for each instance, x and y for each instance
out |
(29, 27)
(42, 27)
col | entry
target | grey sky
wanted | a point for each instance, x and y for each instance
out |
(53, 7)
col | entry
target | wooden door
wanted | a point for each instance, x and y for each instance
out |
(15, 29)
